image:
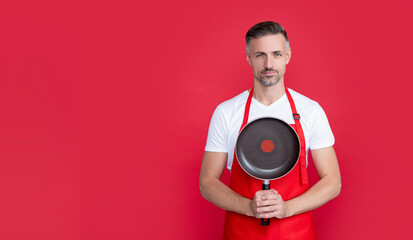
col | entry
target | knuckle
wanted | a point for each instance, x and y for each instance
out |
(273, 202)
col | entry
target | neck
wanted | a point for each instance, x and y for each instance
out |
(268, 95)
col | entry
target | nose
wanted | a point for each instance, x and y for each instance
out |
(268, 62)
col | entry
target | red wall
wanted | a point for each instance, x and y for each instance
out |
(105, 106)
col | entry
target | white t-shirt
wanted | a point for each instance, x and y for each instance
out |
(227, 119)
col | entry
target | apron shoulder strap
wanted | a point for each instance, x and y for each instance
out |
(300, 133)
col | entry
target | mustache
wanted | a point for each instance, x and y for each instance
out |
(269, 70)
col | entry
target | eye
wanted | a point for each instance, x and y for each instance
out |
(277, 54)
(260, 55)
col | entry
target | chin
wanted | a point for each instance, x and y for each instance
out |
(267, 83)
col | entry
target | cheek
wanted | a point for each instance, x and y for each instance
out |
(255, 67)
(281, 64)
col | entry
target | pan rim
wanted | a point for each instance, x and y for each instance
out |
(273, 118)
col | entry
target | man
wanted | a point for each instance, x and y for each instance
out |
(290, 201)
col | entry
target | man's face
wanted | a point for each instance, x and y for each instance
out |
(268, 58)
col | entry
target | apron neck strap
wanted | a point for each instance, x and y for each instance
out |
(247, 109)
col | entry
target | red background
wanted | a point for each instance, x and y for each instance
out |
(105, 107)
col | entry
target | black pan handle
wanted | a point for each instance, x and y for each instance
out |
(265, 186)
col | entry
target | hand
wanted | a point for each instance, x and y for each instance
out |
(269, 204)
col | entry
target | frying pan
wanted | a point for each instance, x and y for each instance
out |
(267, 149)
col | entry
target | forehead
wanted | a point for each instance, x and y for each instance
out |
(268, 43)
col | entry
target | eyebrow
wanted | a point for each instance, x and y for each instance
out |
(271, 52)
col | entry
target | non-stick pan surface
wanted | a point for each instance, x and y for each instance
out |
(267, 148)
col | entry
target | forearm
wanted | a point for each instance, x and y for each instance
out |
(327, 188)
(222, 196)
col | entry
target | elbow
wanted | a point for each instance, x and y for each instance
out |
(203, 186)
(206, 187)
(333, 186)
(202, 189)
(337, 189)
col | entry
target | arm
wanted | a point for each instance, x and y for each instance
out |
(327, 188)
(213, 190)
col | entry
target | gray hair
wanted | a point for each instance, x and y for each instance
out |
(263, 29)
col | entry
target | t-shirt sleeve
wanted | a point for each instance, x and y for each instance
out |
(321, 134)
(217, 133)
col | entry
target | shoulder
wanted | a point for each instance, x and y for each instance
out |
(304, 104)
(234, 103)
(221, 125)
(315, 121)
(228, 110)
(301, 99)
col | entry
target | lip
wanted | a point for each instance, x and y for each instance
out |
(269, 73)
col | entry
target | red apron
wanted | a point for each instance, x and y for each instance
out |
(293, 184)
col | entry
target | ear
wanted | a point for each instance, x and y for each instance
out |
(288, 55)
(248, 58)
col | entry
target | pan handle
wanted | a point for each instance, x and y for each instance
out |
(265, 186)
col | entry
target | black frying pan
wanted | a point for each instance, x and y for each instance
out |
(267, 149)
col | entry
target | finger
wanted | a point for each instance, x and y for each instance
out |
(278, 207)
(261, 193)
(264, 194)
(278, 195)
(275, 196)
(270, 196)
(267, 215)
(264, 210)
(268, 203)
(278, 214)
(258, 194)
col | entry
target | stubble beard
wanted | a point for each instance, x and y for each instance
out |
(270, 81)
